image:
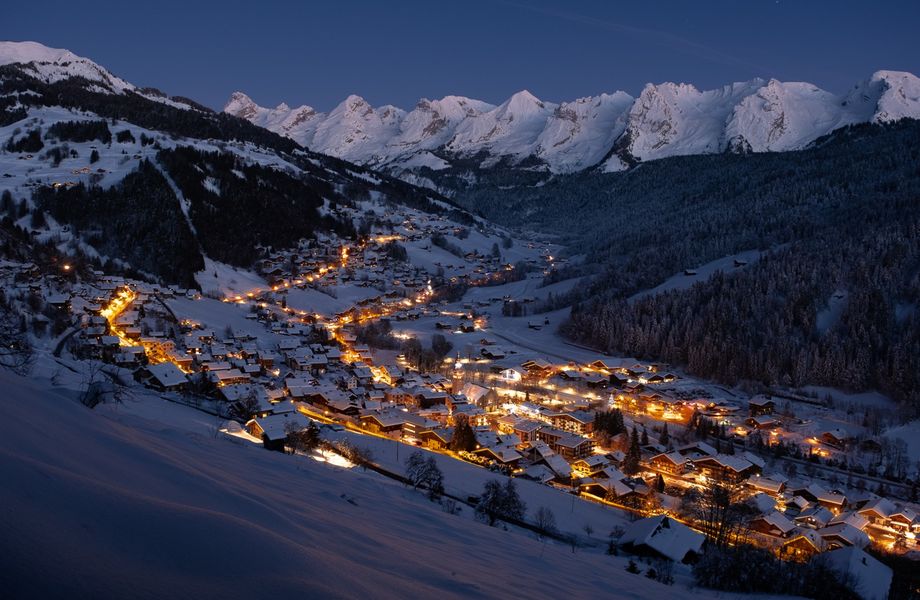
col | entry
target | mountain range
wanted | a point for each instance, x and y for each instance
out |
(609, 132)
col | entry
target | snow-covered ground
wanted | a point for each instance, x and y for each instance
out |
(227, 280)
(685, 279)
(118, 503)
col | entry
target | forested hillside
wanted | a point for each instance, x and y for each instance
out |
(842, 220)
(246, 188)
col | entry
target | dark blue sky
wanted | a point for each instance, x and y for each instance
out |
(398, 51)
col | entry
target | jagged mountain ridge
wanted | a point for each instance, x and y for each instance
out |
(610, 130)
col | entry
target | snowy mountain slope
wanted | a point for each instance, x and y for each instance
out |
(135, 503)
(613, 130)
(510, 129)
(890, 95)
(53, 64)
(71, 134)
(782, 116)
(356, 131)
(580, 133)
(678, 119)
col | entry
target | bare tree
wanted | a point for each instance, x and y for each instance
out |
(16, 352)
(546, 520)
(100, 387)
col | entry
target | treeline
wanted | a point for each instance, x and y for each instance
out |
(138, 221)
(80, 131)
(841, 217)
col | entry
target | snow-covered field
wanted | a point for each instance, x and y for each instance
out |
(113, 504)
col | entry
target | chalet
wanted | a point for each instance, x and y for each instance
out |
(340, 403)
(492, 353)
(579, 421)
(527, 429)
(662, 536)
(833, 501)
(130, 356)
(905, 520)
(763, 422)
(390, 374)
(614, 488)
(386, 423)
(838, 438)
(802, 545)
(539, 473)
(590, 465)
(852, 518)
(725, 468)
(166, 376)
(697, 450)
(511, 374)
(767, 485)
(773, 524)
(363, 374)
(228, 376)
(437, 439)
(60, 302)
(566, 444)
(843, 535)
(617, 380)
(761, 405)
(537, 367)
(878, 511)
(503, 455)
(558, 465)
(426, 398)
(815, 517)
(596, 381)
(476, 394)
(673, 463)
(273, 429)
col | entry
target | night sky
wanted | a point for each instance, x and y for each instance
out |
(396, 52)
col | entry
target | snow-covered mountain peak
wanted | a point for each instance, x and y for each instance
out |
(56, 64)
(26, 52)
(523, 103)
(666, 119)
(353, 104)
(900, 96)
(242, 106)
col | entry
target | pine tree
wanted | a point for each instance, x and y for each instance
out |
(665, 438)
(631, 463)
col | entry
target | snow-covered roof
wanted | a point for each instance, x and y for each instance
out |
(167, 374)
(276, 427)
(847, 533)
(872, 578)
(779, 521)
(665, 536)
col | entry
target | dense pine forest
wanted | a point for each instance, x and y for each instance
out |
(138, 221)
(841, 222)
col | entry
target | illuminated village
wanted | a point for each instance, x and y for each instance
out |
(636, 437)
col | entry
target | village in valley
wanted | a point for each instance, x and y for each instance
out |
(413, 337)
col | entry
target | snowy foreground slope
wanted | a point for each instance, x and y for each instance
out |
(109, 504)
(610, 130)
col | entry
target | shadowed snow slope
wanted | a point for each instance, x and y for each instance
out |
(106, 504)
